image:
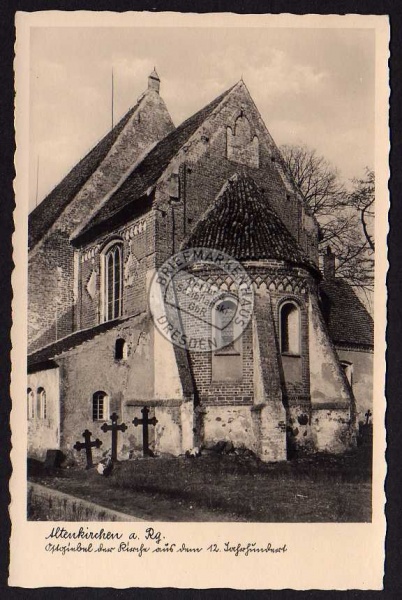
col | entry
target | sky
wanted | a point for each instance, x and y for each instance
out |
(312, 86)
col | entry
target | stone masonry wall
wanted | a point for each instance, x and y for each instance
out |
(135, 381)
(92, 367)
(44, 434)
(362, 378)
(332, 400)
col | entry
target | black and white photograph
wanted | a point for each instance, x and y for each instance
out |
(202, 287)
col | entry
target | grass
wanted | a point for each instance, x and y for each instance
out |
(228, 487)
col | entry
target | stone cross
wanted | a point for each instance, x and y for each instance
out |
(368, 415)
(114, 428)
(88, 445)
(145, 422)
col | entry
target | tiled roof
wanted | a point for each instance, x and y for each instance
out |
(242, 223)
(69, 342)
(151, 167)
(47, 212)
(348, 321)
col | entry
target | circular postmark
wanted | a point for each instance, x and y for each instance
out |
(202, 299)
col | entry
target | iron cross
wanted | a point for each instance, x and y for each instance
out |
(368, 415)
(114, 428)
(145, 422)
(88, 445)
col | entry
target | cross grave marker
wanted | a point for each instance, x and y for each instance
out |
(368, 415)
(114, 428)
(87, 445)
(145, 422)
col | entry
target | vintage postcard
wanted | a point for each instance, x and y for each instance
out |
(199, 307)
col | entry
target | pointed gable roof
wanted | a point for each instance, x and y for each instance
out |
(48, 211)
(149, 170)
(242, 223)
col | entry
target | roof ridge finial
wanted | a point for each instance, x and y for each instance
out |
(154, 81)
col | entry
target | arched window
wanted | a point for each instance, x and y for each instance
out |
(113, 282)
(41, 393)
(100, 406)
(120, 349)
(348, 370)
(224, 326)
(289, 319)
(227, 361)
(30, 403)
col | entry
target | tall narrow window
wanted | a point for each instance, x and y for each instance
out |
(100, 406)
(113, 282)
(42, 403)
(30, 403)
(224, 326)
(289, 318)
(227, 360)
(120, 349)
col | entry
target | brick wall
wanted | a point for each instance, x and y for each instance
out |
(137, 240)
(51, 295)
(203, 167)
(200, 170)
(225, 392)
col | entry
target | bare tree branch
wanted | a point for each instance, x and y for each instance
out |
(346, 219)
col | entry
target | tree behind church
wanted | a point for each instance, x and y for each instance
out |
(345, 215)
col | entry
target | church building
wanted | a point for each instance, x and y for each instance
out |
(297, 379)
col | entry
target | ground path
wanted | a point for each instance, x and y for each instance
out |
(141, 505)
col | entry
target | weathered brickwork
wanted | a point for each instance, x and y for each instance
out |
(136, 239)
(220, 393)
(275, 400)
(51, 294)
(203, 168)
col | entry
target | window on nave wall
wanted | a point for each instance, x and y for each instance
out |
(120, 349)
(289, 319)
(30, 403)
(42, 403)
(100, 406)
(113, 281)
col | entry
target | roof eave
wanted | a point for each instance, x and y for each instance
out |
(135, 208)
(43, 365)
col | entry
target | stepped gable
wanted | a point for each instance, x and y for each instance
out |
(47, 212)
(242, 223)
(148, 171)
(348, 321)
